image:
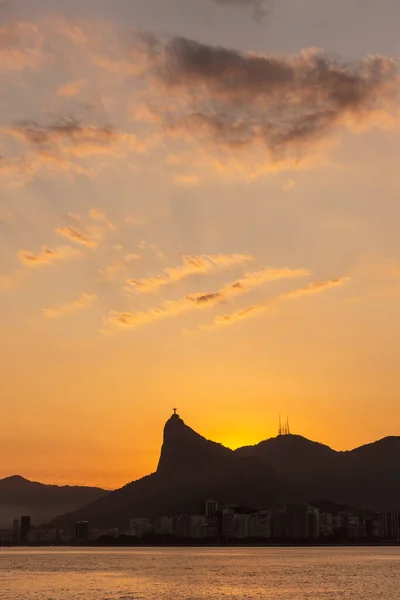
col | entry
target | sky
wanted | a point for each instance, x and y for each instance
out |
(199, 207)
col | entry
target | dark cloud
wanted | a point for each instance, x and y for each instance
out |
(283, 103)
(64, 130)
(210, 298)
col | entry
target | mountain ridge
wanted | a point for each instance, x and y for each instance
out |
(21, 496)
(287, 468)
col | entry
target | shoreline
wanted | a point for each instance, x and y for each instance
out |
(209, 545)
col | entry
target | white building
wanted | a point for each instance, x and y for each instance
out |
(139, 527)
(164, 525)
(241, 526)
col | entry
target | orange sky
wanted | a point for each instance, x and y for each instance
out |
(187, 226)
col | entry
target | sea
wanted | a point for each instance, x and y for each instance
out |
(216, 573)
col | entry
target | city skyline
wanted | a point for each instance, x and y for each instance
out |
(198, 208)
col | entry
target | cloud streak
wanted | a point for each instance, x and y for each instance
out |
(77, 236)
(246, 284)
(202, 300)
(69, 136)
(99, 216)
(62, 146)
(67, 308)
(47, 256)
(255, 309)
(192, 265)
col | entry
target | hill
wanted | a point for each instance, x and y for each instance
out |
(368, 476)
(191, 469)
(288, 468)
(19, 496)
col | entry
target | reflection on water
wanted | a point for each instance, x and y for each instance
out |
(267, 573)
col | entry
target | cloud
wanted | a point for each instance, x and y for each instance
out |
(62, 145)
(123, 320)
(21, 47)
(250, 311)
(69, 135)
(259, 6)
(46, 255)
(75, 235)
(192, 265)
(152, 248)
(215, 97)
(201, 300)
(97, 215)
(234, 111)
(246, 284)
(316, 287)
(69, 90)
(57, 312)
(109, 273)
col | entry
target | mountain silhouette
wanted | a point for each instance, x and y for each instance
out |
(19, 496)
(294, 456)
(288, 468)
(191, 469)
(366, 476)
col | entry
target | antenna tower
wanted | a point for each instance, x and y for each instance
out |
(284, 426)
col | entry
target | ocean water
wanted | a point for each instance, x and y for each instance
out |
(268, 573)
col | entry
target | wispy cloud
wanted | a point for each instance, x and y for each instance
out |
(110, 272)
(21, 47)
(87, 235)
(98, 215)
(122, 320)
(151, 248)
(78, 236)
(70, 136)
(200, 300)
(62, 146)
(246, 284)
(47, 255)
(255, 309)
(192, 265)
(63, 310)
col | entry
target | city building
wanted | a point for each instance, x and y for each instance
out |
(163, 525)
(260, 525)
(227, 523)
(182, 526)
(241, 526)
(140, 526)
(210, 508)
(279, 524)
(82, 531)
(15, 535)
(391, 525)
(197, 526)
(326, 524)
(25, 528)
